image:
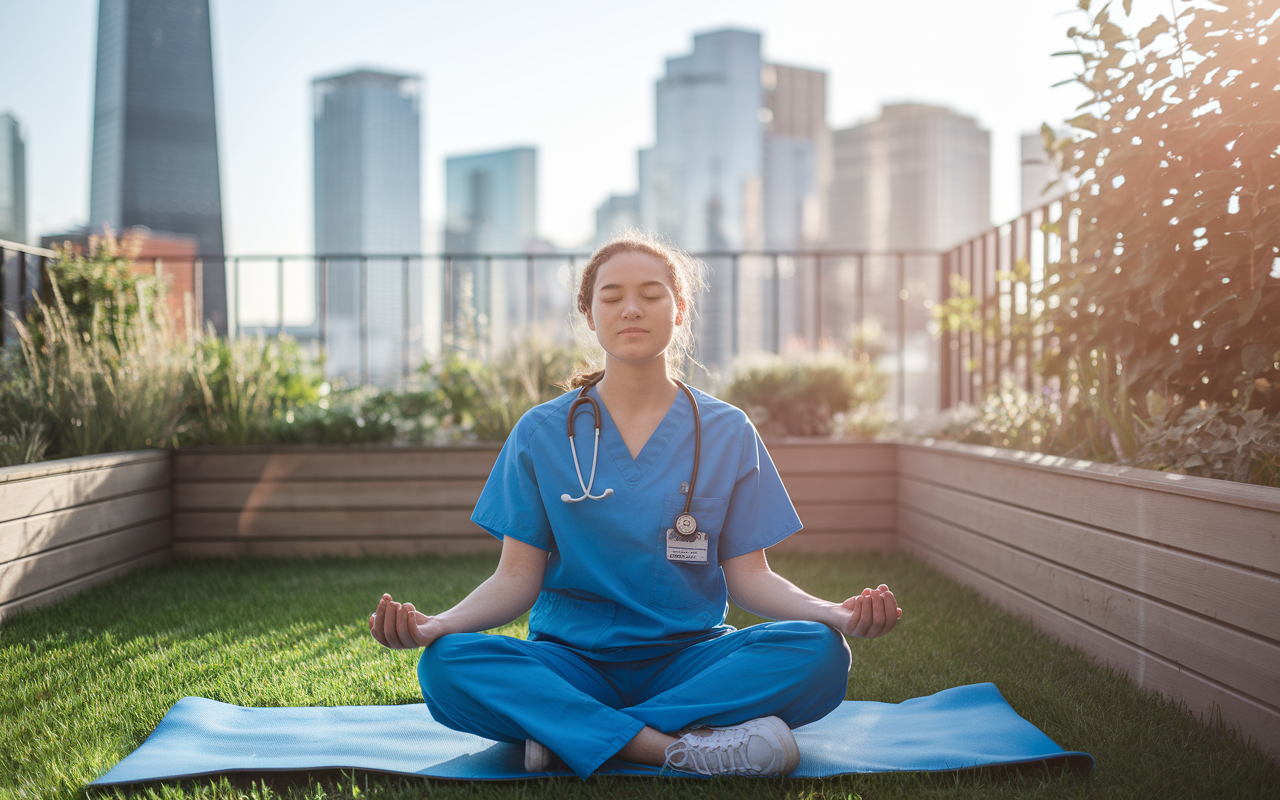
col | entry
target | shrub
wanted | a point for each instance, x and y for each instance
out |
(1215, 441)
(801, 396)
(1172, 286)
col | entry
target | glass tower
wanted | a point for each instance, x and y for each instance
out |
(368, 221)
(13, 181)
(155, 144)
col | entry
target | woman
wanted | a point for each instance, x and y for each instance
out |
(628, 654)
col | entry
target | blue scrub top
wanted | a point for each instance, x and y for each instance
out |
(609, 589)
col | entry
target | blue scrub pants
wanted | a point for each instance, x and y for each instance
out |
(585, 710)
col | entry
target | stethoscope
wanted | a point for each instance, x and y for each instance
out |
(686, 525)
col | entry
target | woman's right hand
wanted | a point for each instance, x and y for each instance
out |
(402, 627)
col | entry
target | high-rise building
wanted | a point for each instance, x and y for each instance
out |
(619, 213)
(490, 209)
(155, 144)
(797, 174)
(917, 178)
(700, 185)
(13, 181)
(1041, 183)
(368, 208)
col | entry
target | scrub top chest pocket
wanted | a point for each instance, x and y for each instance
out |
(687, 569)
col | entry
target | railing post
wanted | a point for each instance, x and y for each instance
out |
(404, 316)
(944, 352)
(981, 264)
(902, 332)
(775, 308)
(322, 299)
(197, 293)
(22, 285)
(280, 296)
(446, 319)
(817, 303)
(531, 288)
(860, 305)
(235, 274)
(364, 320)
(734, 292)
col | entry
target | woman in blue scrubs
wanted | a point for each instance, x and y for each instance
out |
(628, 654)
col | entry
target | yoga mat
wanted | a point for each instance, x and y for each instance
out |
(959, 728)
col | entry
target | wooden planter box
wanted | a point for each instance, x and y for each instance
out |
(1174, 579)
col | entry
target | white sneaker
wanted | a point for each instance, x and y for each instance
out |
(763, 746)
(537, 758)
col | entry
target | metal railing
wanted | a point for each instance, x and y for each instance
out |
(1004, 271)
(22, 275)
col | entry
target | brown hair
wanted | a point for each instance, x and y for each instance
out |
(686, 278)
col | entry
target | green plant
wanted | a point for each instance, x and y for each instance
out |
(800, 396)
(241, 388)
(100, 288)
(1172, 284)
(1216, 442)
(113, 385)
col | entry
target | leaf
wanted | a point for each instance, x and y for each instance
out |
(1086, 122)
(1128, 6)
(1148, 34)
(1248, 305)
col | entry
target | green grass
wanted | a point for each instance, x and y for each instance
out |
(83, 682)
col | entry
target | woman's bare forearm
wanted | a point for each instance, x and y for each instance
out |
(757, 589)
(506, 594)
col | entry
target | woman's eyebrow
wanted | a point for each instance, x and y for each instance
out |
(645, 285)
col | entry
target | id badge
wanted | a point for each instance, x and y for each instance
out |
(691, 549)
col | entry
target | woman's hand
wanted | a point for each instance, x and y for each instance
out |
(870, 614)
(402, 627)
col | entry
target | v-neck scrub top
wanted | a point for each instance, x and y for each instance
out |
(609, 590)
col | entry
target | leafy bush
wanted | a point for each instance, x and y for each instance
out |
(1214, 441)
(801, 396)
(1173, 285)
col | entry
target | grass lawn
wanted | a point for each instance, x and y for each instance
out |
(86, 680)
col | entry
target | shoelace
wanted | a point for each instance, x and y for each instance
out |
(728, 749)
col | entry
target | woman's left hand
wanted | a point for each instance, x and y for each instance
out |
(870, 614)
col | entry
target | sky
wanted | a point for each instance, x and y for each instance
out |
(575, 78)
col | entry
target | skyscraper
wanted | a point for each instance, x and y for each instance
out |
(701, 182)
(916, 178)
(155, 145)
(491, 208)
(13, 181)
(1041, 183)
(368, 203)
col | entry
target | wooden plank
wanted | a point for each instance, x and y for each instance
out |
(25, 498)
(422, 494)
(84, 582)
(322, 524)
(878, 516)
(31, 535)
(34, 574)
(349, 548)
(1230, 594)
(1229, 532)
(793, 458)
(1202, 696)
(1231, 657)
(66, 466)
(836, 488)
(827, 542)
(335, 464)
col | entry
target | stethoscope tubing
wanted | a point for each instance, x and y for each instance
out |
(585, 398)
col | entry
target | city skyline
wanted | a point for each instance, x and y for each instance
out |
(588, 120)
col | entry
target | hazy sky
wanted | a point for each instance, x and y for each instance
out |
(573, 77)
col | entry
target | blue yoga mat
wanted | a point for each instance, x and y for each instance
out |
(960, 728)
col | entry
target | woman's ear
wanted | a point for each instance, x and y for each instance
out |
(591, 323)
(679, 314)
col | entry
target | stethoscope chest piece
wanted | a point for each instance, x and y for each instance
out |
(686, 525)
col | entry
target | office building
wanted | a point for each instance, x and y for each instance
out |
(619, 213)
(368, 208)
(918, 178)
(13, 181)
(700, 185)
(797, 175)
(155, 144)
(490, 209)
